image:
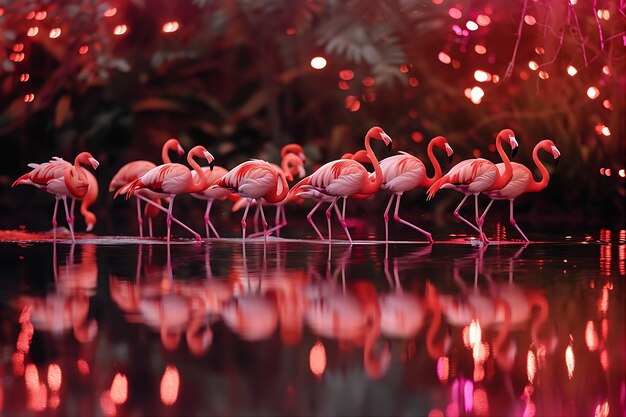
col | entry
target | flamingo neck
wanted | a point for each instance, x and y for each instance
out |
(506, 325)
(165, 153)
(276, 197)
(289, 159)
(76, 181)
(428, 181)
(89, 198)
(502, 180)
(535, 186)
(435, 350)
(371, 183)
(201, 184)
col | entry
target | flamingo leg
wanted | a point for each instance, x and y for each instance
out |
(255, 219)
(514, 223)
(328, 213)
(386, 218)
(243, 224)
(342, 219)
(168, 219)
(54, 219)
(479, 222)
(139, 217)
(264, 222)
(207, 220)
(397, 218)
(463, 219)
(68, 218)
(309, 218)
(277, 221)
(150, 226)
(72, 210)
(279, 225)
(170, 216)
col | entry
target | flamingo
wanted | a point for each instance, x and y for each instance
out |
(291, 165)
(135, 169)
(474, 176)
(171, 180)
(62, 179)
(404, 172)
(255, 180)
(343, 178)
(522, 181)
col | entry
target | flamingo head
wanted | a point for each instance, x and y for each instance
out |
(295, 149)
(442, 143)
(379, 134)
(174, 145)
(549, 146)
(90, 220)
(509, 136)
(201, 152)
(87, 158)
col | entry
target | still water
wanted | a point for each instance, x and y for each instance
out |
(128, 327)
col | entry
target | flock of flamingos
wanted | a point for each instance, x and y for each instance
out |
(263, 184)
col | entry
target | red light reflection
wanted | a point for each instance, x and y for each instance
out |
(317, 359)
(170, 384)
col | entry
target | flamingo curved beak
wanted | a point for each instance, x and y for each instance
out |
(210, 159)
(89, 227)
(450, 153)
(302, 156)
(385, 137)
(301, 172)
(514, 146)
(556, 154)
(211, 165)
(95, 164)
(180, 150)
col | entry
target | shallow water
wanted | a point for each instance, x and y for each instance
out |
(121, 326)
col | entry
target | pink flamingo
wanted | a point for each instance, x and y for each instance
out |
(291, 165)
(522, 181)
(474, 176)
(211, 194)
(171, 180)
(135, 169)
(62, 179)
(404, 172)
(255, 180)
(343, 178)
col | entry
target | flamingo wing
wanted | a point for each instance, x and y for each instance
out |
(520, 180)
(130, 172)
(48, 171)
(342, 177)
(402, 172)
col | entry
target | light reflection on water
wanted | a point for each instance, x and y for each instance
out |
(297, 329)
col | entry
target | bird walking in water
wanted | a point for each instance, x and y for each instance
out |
(211, 194)
(522, 181)
(135, 169)
(62, 179)
(170, 180)
(404, 172)
(255, 180)
(344, 178)
(474, 176)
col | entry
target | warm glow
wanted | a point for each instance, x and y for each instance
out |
(622, 173)
(480, 49)
(495, 78)
(604, 359)
(83, 49)
(55, 33)
(119, 389)
(28, 98)
(55, 377)
(482, 76)
(455, 13)
(443, 57)
(530, 20)
(570, 361)
(38, 398)
(346, 75)
(83, 367)
(606, 70)
(544, 75)
(54, 401)
(471, 25)
(17, 56)
(572, 70)
(602, 410)
(607, 104)
(352, 103)
(404, 69)
(24, 77)
(110, 12)
(475, 333)
(170, 27)
(343, 85)
(483, 20)
(32, 31)
(413, 82)
(533, 65)
(41, 15)
(107, 405)
(317, 359)
(120, 30)
(607, 172)
(318, 62)
(540, 51)
(591, 336)
(531, 366)
(170, 385)
(481, 402)
(18, 47)
(603, 14)
(443, 368)
(368, 81)
(573, 2)
(31, 377)
(606, 131)
(476, 96)
(593, 92)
